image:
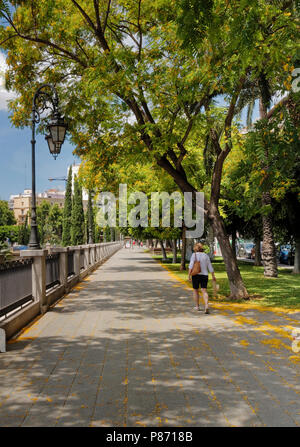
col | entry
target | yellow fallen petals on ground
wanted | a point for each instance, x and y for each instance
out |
(244, 320)
(294, 359)
(244, 343)
(270, 327)
(275, 343)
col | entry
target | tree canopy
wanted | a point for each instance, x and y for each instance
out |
(143, 81)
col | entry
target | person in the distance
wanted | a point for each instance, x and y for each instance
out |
(200, 279)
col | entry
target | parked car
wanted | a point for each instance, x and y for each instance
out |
(245, 250)
(287, 254)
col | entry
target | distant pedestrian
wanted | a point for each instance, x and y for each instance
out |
(199, 267)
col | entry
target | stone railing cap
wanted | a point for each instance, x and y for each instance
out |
(33, 253)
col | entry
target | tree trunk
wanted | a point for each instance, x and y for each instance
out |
(156, 243)
(174, 249)
(163, 251)
(237, 287)
(257, 253)
(168, 243)
(296, 269)
(183, 249)
(210, 239)
(233, 243)
(269, 251)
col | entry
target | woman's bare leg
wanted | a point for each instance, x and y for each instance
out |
(196, 297)
(205, 298)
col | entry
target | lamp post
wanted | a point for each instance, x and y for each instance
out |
(57, 127)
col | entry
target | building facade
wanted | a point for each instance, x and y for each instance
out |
(21, 203)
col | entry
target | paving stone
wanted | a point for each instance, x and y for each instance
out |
(125, 348)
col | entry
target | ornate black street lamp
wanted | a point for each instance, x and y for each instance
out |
(57, 127)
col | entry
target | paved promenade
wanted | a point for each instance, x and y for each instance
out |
(126, 348)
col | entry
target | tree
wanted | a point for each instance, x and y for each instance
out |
(125, 60)
(6, 215)
(42, 213)
(24, 233)
(263, 68)
(10, 232)
(90, 221)
(183, 249)
(77, 218)
(66, 231)
(54, 225)
(269, 162)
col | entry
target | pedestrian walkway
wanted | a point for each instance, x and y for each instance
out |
(126, 348)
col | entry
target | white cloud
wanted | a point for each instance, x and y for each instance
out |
(4, 94)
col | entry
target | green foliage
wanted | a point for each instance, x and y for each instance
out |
(4, 7)
(90, 219)
(266, 160)
(194, 18)
(5, 253)
(49, 219)
(140, 81)
(55, 220)
(77, 218)
(42, 213)
(6, 215)
(10, 232)
(53, 226)
(24, 233)
(98, 232)
(106, 234)
(66, 232)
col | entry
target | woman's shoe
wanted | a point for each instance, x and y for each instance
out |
(207, 311)
(196, 308)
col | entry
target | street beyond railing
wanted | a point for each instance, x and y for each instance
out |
(29, 286)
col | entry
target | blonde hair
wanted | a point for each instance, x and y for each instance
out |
(198, 247)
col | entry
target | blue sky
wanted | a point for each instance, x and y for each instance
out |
(15, 153)
(15, 160)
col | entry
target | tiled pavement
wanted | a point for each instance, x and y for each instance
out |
(125, 348)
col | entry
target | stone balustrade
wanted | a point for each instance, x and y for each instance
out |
(69, 265)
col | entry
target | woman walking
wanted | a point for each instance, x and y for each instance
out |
(199, 267)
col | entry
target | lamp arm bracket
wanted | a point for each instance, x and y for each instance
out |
(43, 101)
